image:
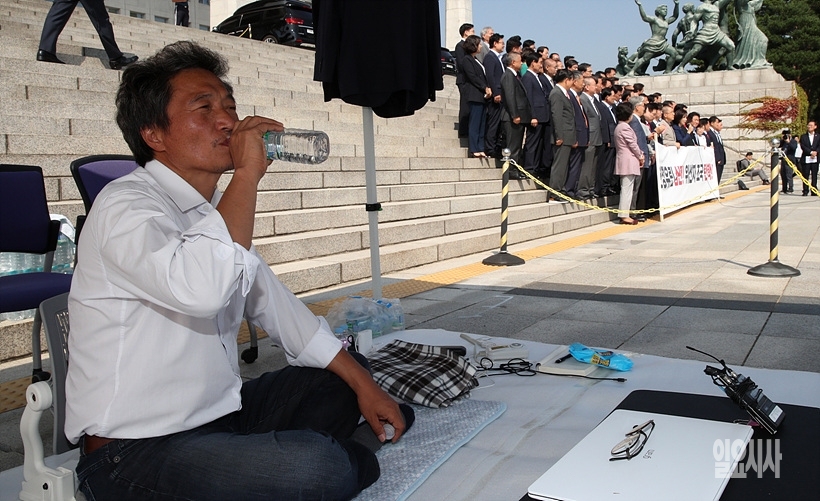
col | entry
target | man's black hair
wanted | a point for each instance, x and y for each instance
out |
(513, 43)
(145, 90)
(494, 38)
(463, 28)
(562, 75)
(531, 57)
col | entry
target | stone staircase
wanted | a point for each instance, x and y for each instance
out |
(311, 224)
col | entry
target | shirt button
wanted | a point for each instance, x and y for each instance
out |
(116, 459)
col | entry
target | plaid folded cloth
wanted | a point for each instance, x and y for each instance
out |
(424, 375)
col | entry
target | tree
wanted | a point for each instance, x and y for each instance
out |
(793, 28)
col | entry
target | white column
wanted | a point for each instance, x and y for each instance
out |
(456, 13)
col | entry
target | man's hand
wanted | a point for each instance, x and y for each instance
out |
(534, 122)
(497, 99)
(238, 204)
(247, 146)
(516, 120)
(559, 142)
(375, 405)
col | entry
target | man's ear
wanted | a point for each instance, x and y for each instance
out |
(154, 138)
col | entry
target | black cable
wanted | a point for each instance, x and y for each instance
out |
(520, 367)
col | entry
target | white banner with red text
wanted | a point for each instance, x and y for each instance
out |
(686, 176)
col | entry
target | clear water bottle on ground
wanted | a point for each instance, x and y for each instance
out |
(298, 145)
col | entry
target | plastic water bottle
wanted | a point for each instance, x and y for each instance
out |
(298, 145)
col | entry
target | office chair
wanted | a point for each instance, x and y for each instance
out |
(25, 226)
(91, 174)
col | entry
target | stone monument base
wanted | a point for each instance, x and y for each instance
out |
(725, 94)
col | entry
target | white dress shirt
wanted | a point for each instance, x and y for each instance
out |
(155, 305)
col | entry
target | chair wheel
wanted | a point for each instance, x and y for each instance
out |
(250, 355)
(40, 375)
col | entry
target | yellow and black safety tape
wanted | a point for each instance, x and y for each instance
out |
(678, 205)
(800, 175)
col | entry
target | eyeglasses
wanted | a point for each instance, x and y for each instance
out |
(633, 444)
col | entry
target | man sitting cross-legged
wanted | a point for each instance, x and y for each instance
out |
(166, 271)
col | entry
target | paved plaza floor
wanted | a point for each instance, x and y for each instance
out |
(652, 288)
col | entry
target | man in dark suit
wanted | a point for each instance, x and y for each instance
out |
(715, 126)
(563, 129)
(589, 169)
(56, 20)
(605, 179)
(516, 111)
(576, 157)
(537, 95)
(464, 30)
(549, 67)
(637, 126)
(495, 70)
(810, 144)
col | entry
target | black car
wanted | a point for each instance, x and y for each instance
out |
(448, 63)
(274, 21)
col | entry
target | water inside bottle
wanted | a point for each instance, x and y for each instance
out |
(297, 145)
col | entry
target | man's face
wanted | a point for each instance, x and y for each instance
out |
(668, 114)
(469, 32)
(588, 72)
(537, 67)
(590, 87)
(811, 127)
(499, 45)
(201, 115)
(611, 99)
(550, 68)
(487, 35)
(639, 109)
(718, 126)
(518, 50)
(578, 85)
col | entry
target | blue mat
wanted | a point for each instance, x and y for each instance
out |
(435, 436)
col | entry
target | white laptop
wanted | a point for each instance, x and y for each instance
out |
(679, 461)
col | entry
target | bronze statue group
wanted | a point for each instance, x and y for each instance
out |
(702, 33)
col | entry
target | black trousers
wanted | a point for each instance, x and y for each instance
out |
(605, 177)
(492, 140)
(787, 174)
(576, 161)
(181, 14)
(59, 15)
(534, 148)
(463, 113)
(547, 156)
(809, 172)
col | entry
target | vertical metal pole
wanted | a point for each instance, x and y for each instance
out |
(503, 258)
(774, 200)
(372, 206)
(774, 268)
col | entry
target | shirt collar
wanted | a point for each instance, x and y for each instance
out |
(183, 194)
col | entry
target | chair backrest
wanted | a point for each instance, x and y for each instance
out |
(92, 173)
(54, 312)
(25, 224)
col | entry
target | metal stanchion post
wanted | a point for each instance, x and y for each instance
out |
(774, 268)
(503, 258)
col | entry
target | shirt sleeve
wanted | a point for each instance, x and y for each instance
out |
(155, 256)
(306, 338)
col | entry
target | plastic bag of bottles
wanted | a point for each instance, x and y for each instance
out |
(356, 313)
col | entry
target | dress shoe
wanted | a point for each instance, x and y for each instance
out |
(641, 218)
(48, 57)
(121, 62)
(805, 194)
